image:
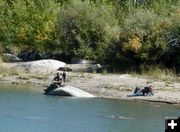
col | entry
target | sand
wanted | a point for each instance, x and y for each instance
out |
(109, 85)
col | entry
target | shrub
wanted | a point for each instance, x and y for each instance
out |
(151, 32)
(29, 22)
(86, 29)
(134, 45)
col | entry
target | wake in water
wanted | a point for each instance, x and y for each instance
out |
(119, 117)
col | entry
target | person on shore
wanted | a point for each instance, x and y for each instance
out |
(64, 75)
(146, 91)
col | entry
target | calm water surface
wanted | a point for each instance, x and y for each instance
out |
(28, 110)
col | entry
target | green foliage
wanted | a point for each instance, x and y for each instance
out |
(86, 29)
(150, 29)
(122, 33)
(148, 35)
(29, 22)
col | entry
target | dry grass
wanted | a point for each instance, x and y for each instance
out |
(157, 72)
(8, 71)
(117, 87)
(1, 60)
(80, 75)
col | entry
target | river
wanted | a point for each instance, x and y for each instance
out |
(27, 109)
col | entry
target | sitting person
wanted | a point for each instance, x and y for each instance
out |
(57, 82)
(146, 91)
(58, 79)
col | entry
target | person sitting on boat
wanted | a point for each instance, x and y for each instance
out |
(58, 79)
(57, 82)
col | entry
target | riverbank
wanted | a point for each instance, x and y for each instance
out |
(106, 85)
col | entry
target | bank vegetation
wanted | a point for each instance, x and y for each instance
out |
(128, 35)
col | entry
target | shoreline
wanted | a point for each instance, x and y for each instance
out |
(115, 86)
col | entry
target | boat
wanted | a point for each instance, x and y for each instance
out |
(68, 91)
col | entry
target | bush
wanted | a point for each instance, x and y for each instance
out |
(86, 29)
(150, 29)
(124, 33)
(171, 56)
(149, 39)
(27, 22)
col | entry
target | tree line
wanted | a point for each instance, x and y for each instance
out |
(125, 34)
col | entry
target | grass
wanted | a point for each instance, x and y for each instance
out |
(104, 72)
(157, 72)
(79, 74)
(117, 87)
(8, 71)
(164, 74)
(152, 72)
(1, 59)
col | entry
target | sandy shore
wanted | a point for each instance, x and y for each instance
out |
(109, 85)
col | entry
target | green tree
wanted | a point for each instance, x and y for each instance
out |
(86, 29)
(27, 22)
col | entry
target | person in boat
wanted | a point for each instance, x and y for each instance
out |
(146, 91)
(58, 81)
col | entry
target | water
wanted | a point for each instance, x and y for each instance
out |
(28, 110)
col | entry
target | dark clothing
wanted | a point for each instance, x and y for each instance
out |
(51, 87)
(147, 90)
(137, 90)
(64, 76)
(58, 80)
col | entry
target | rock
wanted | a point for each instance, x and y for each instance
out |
(31, 55)
(85, 67)
(81, 61)
(64, 69)
(95, 66)
(69, 91)
(41, 66)
(10, 58)
(77, 61)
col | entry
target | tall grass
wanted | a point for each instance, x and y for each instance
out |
(159, 72)
(1, 61)
(9, 71)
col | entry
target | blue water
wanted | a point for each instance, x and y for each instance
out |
(28, 110)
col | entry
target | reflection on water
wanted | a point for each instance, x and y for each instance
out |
(28, 110)
(119, 117)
